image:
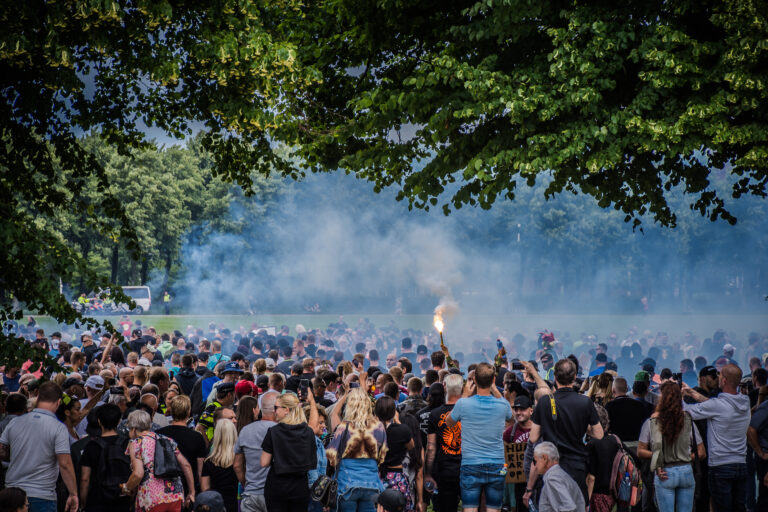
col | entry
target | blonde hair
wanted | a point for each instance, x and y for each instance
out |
(602, 388)
(180, 407)
(260, 366)
(223, 445)
(295, 414)
(358, 410)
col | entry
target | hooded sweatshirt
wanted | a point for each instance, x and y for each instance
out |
(186, 379)
(293, 448)
(727, 418)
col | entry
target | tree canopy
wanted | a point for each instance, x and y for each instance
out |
(621, 101)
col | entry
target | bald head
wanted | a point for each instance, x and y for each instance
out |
(149, 400)
(731, 375)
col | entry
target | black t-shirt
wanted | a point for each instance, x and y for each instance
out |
(575, 412)
(89, 351)
(191, 445)
(224, 481)
(600, 462)
(423, 417)
(294, 484)
(448, 441)
(398, 435)
(90, 458)
(627, 416)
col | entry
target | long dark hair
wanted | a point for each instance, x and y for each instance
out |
(412, 423)
(670, 410)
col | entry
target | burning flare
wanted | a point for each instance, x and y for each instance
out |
(438, 321)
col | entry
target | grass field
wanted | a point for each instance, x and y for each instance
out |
(466, 327)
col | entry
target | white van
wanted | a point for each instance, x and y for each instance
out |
(141, 296)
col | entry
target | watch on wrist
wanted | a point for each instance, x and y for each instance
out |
(528, 490)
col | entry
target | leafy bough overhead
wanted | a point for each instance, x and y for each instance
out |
(622, 101)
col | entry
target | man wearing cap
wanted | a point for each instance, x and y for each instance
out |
(547, 366)
(225, 397)
(708, 382)
(93, 386)
(230, 373)
(518, 434)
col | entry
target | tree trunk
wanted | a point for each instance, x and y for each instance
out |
(115, 262)
(144, 271)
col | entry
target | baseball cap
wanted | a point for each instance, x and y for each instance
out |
(708, 371)
(243, 387)
(210, 499)
(392, 500)
(728, 348)
(642, 376)
(421, 350)
(144, 362)
(94, 382)
(225, 387)
(232, 366)
(648, 361)
(522, 402)
(270, 362)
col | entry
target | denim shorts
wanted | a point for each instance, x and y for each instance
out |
(478, 477)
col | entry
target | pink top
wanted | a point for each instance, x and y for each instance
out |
(153, 491)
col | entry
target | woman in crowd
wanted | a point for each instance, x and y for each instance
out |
(666, 438)
(247, 412)
(318, 427)
(153, 494)
(358, 446)
(218, 468)
(601, 389)
(413, 464)
(70, 414)
(601, 453)
(290, 452)
(13, 499)
(399, 441)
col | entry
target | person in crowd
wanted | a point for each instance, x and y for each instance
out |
(728, 416)
(247, 412)
(190, 442)
(399, 441)
(15, 406)
(443, 459)
(225, 398)
(560, 493)
(626, 415)
(757, 436)
(13, 499)
(601, 453)
(37, 446)
(70, 414)
(576, 416)
(248, 449)
(218, 469)
(290, 452)
(667, 438)
(104, 464)
(186, 376)
(414, 403)
(483, 413)
(319, 428)
(518, 433)
(435, 398)
(154, 494)
(356, 450)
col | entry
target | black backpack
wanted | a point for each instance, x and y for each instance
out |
(114, 467)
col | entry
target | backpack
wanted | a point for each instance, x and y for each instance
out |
(114, 467)
(626, 482)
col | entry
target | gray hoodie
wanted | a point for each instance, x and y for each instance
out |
(560, 492)
(727, 421)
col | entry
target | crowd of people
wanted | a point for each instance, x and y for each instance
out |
(360, 418)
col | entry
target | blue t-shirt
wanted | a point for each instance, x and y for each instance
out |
(483, 419)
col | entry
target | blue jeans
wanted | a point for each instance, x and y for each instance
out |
(676, 492)
(41, 505)
(728, 487)
(358, 500)
(478, 477)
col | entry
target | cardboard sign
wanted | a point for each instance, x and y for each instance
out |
(514, 454)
